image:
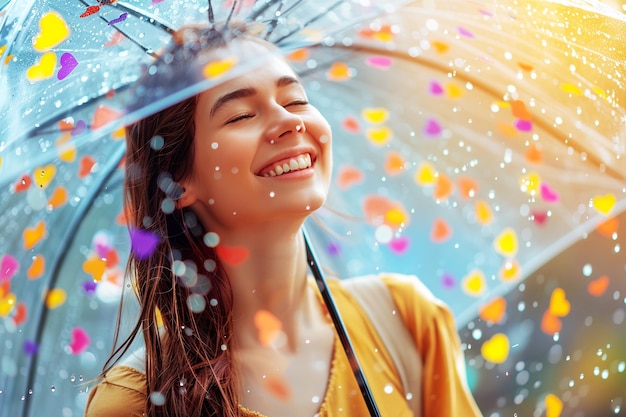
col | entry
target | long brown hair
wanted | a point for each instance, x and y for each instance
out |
(189, 360)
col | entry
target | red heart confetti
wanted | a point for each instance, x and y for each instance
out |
(86, 164)
(90, 10)
(234, 255)
(23, 184)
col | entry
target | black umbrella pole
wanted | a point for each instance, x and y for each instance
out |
(341, 330)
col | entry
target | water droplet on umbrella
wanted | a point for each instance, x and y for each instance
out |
(388, 389)
(52, 388)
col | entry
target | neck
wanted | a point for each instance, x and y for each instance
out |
(271, 279)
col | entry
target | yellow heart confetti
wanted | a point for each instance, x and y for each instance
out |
(496, 349)
(32, 235)
(42, 69)
(7, 304)
(375, 116)
(484, 214)
(396, 217)
(474, 284)
(37, 267)
(506, 243)
(95, 267)
(559, 305)
(43, 176)
(454, 91)
(218, 68)
(379, 136)
(67, 151)
(554, 406)
(55, 298)
(426, 174)
(604, 203)
(510, 270)
(53, 31)
(599, 92)
(530, 183)
(572, 89)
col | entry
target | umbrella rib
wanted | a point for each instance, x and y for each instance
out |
(308, 22)
(67, 239)
(274, 22)
(340, 328)
(152, 19)
(261, 10)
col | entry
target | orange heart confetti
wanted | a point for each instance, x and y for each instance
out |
(484, 214)
(440, 231)
(299, 55)
(375, 208)
(33, 235)
(104, 115)
(426, 174)
(95, 267)
(87, 163)
(520, 111)
(112, 258)
(339, 71)
(598, 286)
(7, 304)
(218, 68)
(55, 298)
(554, 406)
(379, 136)
(351, 125)
(443, 187)
(58, 197)
(550, 324)
(525, 66)
(494, 311)
(533, 154)
(53, 31)
(278, 387)
(349, 176)
(474, 283)
(506, 243)
(21, 314)
(269, 327)
(468, 187)
(37, 267)
(608, 227)
(440, 47)
(510, 270)
(5, 288)
(43, 69)
(234, 255)
(394, 163)
(375, 116)
(23, 184)
(604, 203)
(507, 129)
(559, 305)
(496, 349)
(43, 176)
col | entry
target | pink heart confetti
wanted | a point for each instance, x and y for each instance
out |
(380, 62)
(143, 243)
(524, 125)
(79, 341)
(122, 17)
(432, 128)
(539, 217)
(436, 89)
(68, 63)
(548, 194)
(465, 32)
(8, 267)
(399, 245)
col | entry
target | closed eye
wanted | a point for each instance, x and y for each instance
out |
(239, 117)
(297, 103)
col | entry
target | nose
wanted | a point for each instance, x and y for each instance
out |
(283, 124)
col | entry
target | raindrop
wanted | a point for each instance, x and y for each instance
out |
(272, 194)
(214, 145)
(157, 143)
(211, 239)
(168, 206)
(315, 399)
(179, 268)
(587, 270)
(210, 265)
(73, 378)
(157, 398)
(52, 388)
(196, 303)
(213, 302)
(388, 389)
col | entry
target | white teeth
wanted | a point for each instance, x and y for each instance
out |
(301, 162)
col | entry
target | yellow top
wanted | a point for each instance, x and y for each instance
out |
(444, 391)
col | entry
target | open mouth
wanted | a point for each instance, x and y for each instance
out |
(285, 166)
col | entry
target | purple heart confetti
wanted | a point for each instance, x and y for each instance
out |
(119, 19)
(79, 128)
(90, 287)
(68, 63)
(333, 249)
(143, 243)
(30, 347)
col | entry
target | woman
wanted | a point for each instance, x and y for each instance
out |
(231, 322)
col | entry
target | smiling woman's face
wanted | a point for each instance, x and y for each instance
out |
(262, 152)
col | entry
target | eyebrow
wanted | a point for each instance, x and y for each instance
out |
(248, 92)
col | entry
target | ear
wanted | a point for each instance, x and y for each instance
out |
(186, 199)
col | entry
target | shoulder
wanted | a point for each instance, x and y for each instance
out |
(122, 392)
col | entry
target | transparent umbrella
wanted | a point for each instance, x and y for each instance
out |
(474, 141)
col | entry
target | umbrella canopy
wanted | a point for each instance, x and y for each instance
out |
(473, 142)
